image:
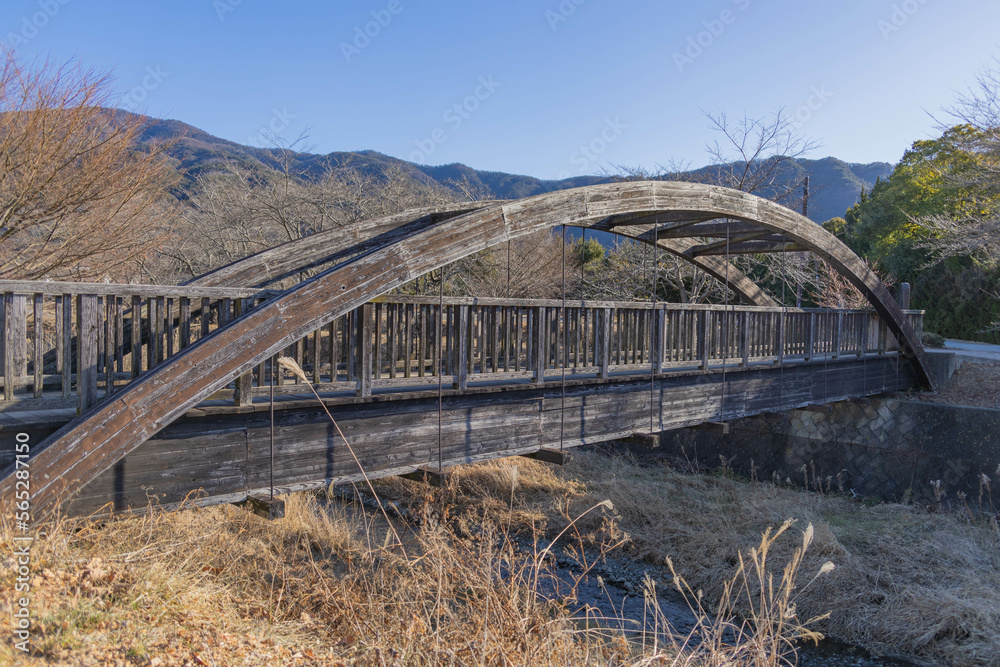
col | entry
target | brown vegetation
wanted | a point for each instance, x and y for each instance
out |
(326, 585)
(78, 200)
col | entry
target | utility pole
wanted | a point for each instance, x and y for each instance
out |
(805, 213)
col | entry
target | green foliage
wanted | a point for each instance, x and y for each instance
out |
(882, 228)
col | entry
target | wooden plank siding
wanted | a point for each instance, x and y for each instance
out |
(220, 453)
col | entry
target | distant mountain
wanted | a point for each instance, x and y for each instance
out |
(834, 184)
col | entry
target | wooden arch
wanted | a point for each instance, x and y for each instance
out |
(282, 261)
(93, 442)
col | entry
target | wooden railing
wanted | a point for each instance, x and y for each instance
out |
(67, 344)
(70, 343)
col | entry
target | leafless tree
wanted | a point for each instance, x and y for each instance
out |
(78, 198)
(626, 273)
(753, 155)
(245, 207)
(529, 267)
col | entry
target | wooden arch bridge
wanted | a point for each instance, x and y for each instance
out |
(132, 393)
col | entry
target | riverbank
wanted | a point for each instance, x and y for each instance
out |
(326, 586)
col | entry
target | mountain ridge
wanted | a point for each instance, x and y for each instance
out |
(835, 184)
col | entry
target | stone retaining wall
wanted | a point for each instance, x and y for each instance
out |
(895, 450)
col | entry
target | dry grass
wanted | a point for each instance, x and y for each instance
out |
(906, 582)
(220, 586)
(973, 384)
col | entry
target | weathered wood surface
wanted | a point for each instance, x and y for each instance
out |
(94, 442)
(111, 289)
(220, 453)
(294, 257)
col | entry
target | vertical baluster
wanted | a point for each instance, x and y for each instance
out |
(392, 325)
(317, 339)
(838, 332)
(495, 338)
(152, 326)
(365, 343)
(243, 390)
(101, 319)
(185, 322)
(135, 335)
(517, 315)
(108, 332)
(437, 337)
(15, 327)
(810, 337)
(206, 315)
(64, 342)
(345, 344)
(38, 362)
(421, 336)
(168, 328)
(407, 338)
(332, 333)
(120, 336)
(461, 348)
(539, 329)
(703, 339)
(86, 344)
(863, 334)
(602, 337)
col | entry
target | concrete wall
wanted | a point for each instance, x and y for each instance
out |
(890, 449)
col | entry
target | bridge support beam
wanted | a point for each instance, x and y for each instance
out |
(268, 508)
(558, 457)
(433, 476)
(722, 428)
(639, 439)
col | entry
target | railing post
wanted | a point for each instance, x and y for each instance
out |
(838, 333)
(811, 337)
(15, 343)
(364, 344)
(37, 362)
(779, 339)
(243, 392)
(539, 341)
(64, 346)
(903, 297)
(86, 355)
(659, 342)
(863, 335)
(604, 342)
(460, 348)
(702, 336)
(745, 338)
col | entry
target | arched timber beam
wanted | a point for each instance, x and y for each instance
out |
(92, 443)
(274, 264)
(287, 259)
(719, 268)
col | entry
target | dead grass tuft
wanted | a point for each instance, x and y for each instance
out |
(219, 586)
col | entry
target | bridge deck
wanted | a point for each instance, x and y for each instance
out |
(221, 452)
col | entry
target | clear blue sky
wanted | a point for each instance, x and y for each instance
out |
(558, 74)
